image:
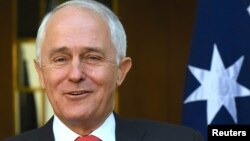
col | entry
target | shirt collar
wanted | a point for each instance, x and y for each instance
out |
(106, 132)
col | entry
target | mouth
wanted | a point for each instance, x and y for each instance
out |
(78, 93)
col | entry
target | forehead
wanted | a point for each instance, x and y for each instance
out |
(76, 16)
(76, 25)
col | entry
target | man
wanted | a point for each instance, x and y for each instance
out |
(81, 60)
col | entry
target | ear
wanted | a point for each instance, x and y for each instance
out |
(124, 67)
(40, 73)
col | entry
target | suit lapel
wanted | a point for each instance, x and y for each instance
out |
(127, 130)
(46, 132)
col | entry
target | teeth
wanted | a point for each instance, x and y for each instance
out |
(76, 93)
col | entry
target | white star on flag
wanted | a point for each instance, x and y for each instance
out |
(219, 86)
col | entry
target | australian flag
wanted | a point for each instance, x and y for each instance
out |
(217, 89)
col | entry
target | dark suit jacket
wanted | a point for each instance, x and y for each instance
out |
(126, 130)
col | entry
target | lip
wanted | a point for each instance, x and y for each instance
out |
(77, 94)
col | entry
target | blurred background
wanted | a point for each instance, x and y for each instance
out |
(159, 40)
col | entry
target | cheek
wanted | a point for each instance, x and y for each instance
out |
(103, 76)
(52, 81)
(105, 81)
(53, 78)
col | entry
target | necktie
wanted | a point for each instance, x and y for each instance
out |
(88, 138)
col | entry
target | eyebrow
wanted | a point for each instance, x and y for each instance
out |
(94, 49)
(56, 50)
(66, 49)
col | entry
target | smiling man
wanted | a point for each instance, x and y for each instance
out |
(78, 68)
(81, 60)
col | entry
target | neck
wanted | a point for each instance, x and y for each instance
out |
(85, 127)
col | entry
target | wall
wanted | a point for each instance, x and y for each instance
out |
(6, 85)
(159, 40)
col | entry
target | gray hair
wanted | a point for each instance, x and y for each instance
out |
(118, 36)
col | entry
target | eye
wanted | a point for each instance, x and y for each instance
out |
(60, 60)
(92, 59)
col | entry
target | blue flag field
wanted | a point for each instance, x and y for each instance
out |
(217, 87)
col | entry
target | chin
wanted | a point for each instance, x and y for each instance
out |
(77, 114)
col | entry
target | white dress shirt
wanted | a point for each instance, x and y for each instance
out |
(106, 132)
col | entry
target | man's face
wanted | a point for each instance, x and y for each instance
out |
(78, 69)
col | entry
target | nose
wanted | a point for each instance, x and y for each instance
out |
(76, 73)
